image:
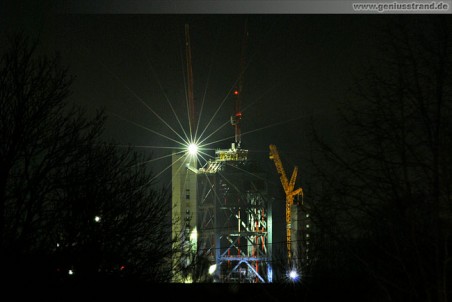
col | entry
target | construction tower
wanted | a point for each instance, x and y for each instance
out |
(221, 211)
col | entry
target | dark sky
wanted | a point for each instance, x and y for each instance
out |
(299, 68)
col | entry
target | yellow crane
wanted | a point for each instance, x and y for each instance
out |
(288, 186)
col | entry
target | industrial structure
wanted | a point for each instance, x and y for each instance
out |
(223, 217)
(221, 211)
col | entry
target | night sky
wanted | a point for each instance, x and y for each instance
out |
(299, 69)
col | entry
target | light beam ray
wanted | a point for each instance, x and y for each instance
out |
(148, 129)
(209, 73)
(219, 107)
(153, 159)
(212, 133)
(137, 97)
(145, 146)
(247, 172)
(159, 83)
(185, 90)
(273, 125)
(167, 167)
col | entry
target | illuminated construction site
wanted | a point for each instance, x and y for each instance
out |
(222, 210)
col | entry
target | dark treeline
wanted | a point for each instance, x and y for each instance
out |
(381, 200)
(73, 207)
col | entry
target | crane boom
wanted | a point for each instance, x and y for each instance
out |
(288, 187)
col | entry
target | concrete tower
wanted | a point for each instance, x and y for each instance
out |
(184, 214)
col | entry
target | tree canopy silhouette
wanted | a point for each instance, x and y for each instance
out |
(72, 205)
(382, 205)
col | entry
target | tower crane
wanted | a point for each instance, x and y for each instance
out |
(190, 96)
(236, 118)
(288, 186)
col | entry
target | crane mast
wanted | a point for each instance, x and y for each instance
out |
(236, 118)
(288, 186)
(190, 94)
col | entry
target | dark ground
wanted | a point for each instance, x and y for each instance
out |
(121, 291)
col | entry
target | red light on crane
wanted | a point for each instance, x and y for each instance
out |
(236, 92)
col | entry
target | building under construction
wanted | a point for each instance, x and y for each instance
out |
(226, 217)
(222, 211)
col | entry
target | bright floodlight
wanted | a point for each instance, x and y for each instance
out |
(193, 149)
(293, 275)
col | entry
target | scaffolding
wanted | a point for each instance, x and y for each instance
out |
(235, 223)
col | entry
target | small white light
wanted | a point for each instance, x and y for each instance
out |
(293, 275)
(192, 149)
(194, 235)
(70, 272)
(97, 219)
(212, 269)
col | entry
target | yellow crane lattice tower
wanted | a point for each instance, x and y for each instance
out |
(288, 186)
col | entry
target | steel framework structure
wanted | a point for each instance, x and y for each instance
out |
(235, 229)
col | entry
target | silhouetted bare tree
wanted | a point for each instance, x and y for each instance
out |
(111, 219)
(69, 200)
(383, 202)
(34, 132)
